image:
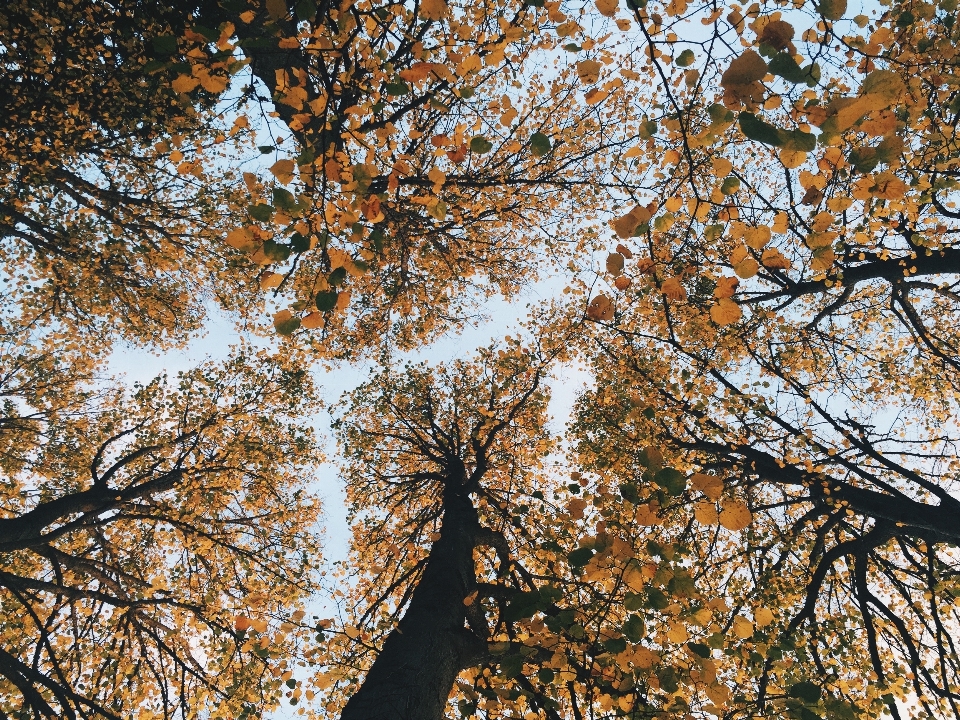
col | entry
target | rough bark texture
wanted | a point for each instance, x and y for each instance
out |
(413, 674)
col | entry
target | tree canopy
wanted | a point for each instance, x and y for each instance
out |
(739, 220)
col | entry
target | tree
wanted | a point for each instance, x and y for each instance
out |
(156, 546)
(761, 511)
(104, 231)
(439, 160)
(506, 590)
(788, 333)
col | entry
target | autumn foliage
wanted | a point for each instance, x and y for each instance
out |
(739, 220)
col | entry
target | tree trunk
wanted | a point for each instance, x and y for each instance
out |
(414, 673)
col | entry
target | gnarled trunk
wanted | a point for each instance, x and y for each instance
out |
(413, 674)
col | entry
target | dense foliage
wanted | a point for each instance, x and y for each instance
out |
(739, 220)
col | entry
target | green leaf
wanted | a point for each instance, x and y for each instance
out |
(480, 145)
(208, 32)
(511, 665)
(671, 480)
(615, 646)
(299, 243)
(275, 252)
(580, 557)
(634, 628)
(756, 129)
(634, 601)
(798, 140)
(397, 88)
(165, 44)
(291, 683)
(656, 600)
(685, 59)
(522, 605)
(337, 277)
(719, 114)
(806, 691)
(287, 326)
(466, 92)
(284, 199)
(306, 9)
(327, 300)
(306, 156)
(540, 144)
(833, 9)
(377, 237)
(261, 212)
(628, 491)
(545, 675)
(730, 185)
(648, 129)
(668, 679)
(786, 67)
(699, 649)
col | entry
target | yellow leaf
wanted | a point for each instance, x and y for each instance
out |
(746, 268)
(744, 70)
(763, 617)
(821, 221)
(311, 321)
(735, 515)
(820, 239)
(351, 632)
(184, 83)
(433, 9)
(742, 627)
(600, 308)
(671, 157)
(672, 289)
(677, 632)
(471, 598)
(823, 259)
(214, 83)
(575, 508)
(781, 222)
(774, 259)
(614, 263)
(608, 8)
(595, 96)
(709, 485)
(270, 280)
(644, 658)
(725, 312)
(726, 287)
(792, 158)
(627, 225)
(887, 186)
(242, 239)
(706, 513)
(673, 204)
(437, 176)
(646, 515)
(589, 71)
(282, 170)
(721, 166)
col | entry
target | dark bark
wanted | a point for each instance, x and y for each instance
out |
(420, 660)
